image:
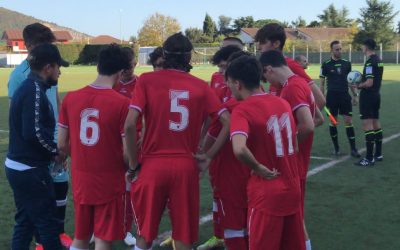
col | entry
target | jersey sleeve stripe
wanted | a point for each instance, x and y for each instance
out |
(222, 111)
(135, 107)
(299, 106)
(239, 133)
(62, 125)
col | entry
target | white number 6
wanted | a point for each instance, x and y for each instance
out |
(87, 124)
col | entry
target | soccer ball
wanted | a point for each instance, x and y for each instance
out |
(354, 77)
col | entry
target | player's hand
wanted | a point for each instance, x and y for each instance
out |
(354, 100)
(203, 161)
(265, 172)
(60, 158)
(131, 175)
(139, 142)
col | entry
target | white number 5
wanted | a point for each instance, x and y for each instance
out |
(175, 96)
(86, 124)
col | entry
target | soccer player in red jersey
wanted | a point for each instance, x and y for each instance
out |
(156, 59)
(91, 128)
(126, 84)
(125, 87)
(263, 134)
(272, 36)
(175, 105)
(296, 91)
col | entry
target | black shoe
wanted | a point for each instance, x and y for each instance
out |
(378, 158)
(355, 153)
(364, 163)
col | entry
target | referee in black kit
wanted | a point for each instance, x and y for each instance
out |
(334, 72)
(370, 102)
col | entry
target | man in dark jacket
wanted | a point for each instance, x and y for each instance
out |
(32, 148)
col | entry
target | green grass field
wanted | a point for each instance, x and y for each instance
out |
(347, 207)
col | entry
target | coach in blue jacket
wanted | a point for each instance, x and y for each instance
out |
(32, 148)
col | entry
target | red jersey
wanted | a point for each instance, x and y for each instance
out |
(95, 119)
(217, 80)
(296, 68)
(269, 126)
(298, 94)
(175, 105)
(230, 175)
(126, 88)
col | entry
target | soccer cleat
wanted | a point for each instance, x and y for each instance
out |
(168, 242)
(378, 158)
(212, 243)
(129, 239)
(365, 163)
(355, 154)
(91, 239)
(66, 241)
(39, 247)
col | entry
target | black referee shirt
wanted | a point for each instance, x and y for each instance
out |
(335, 72)
(373, 68)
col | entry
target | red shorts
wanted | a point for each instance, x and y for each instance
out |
(270, 232)
(303, 195)
(105, 221)
(232, 217)
(162, 180)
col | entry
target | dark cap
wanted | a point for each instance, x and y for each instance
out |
(46, 54)
(370, 43)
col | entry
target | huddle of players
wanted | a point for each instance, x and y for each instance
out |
(258, 147)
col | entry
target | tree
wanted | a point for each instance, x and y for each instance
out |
(313, 23)
(377, 23)
(261, 22)
(224, 24)
(209, 27)
(332, 17)
(243, 22)
(194, 34)
(299, 22)
(156, 29)
(398, 27)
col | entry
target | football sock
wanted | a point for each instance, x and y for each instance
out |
(369, 143)
(334, 136)
(308, 244)
(378, 142)
(218, 231)
(61, 190)
(351, 136)
(238, 243)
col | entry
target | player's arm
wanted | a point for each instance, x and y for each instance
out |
(318, 118)
(203, 134)
(244, 155)
(318, 95)
(367, 84)
(63, 140)
(322, 84)
(305, 125)
(130, 138)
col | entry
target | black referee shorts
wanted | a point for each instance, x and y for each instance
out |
(370, 104)
(339, 103)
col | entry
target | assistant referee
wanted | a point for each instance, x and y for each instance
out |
(334, 72)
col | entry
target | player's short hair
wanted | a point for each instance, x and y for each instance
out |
(113, 59)
(129, 52)
(333, 43)
(245, 69)
(224, 53)
(370, 44)
(177, 50)
(238, 54)
(36, 33)
(273, 58)
(235, 40)
(272, 32)
(155, 55)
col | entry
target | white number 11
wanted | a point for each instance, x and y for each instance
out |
(276, 126)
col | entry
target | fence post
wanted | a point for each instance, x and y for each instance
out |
(397, 53)
(293, 52)
(350, 52)
(204, 56)
(307, 53)
(381, 54)
(320, 53)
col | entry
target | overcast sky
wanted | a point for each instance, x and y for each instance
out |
(103, 17)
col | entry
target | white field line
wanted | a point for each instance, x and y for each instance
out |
(312, 172)
(321, 158)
